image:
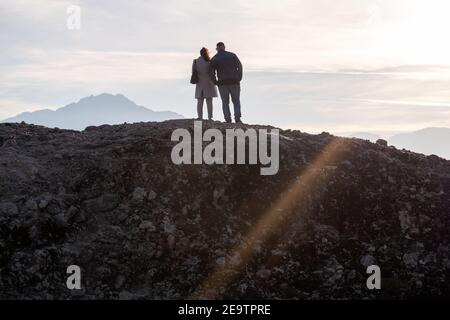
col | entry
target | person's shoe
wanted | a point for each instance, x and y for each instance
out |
(199, 119)
(238, 120)
(228, 120)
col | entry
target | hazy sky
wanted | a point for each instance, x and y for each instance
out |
(347, 65)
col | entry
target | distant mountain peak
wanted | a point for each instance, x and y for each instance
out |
(105, 96)
(105, 108)
(428, 141)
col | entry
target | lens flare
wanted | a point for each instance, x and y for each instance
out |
(294, 194)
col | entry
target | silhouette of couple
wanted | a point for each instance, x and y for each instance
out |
(223, 70)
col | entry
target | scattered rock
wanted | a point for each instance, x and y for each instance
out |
(382, 142)
(120, 280)
(139, 194)
(30, 205)
(367, 261)
(411, 259)
(221, 261)
(9, 209)
(125, 295)
(263, 273)
(43, 204)
(147, 225)
(152, 195)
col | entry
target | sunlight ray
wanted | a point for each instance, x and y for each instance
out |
(295, 193)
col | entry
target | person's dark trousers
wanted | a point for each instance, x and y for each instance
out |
(233, 90)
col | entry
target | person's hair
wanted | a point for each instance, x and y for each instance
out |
(221, 45)
(205, 54)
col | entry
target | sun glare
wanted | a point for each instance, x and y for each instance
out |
(420, 34)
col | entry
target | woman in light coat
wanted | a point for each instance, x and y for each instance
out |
(205, 88)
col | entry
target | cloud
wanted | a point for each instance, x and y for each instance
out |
(283, 34)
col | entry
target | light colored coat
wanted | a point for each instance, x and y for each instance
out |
(204, 88)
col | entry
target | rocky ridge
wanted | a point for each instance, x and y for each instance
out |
(110, 200)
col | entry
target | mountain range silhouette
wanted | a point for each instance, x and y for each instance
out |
(428, 141)
(92, 111)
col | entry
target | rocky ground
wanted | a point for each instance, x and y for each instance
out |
(110, 200)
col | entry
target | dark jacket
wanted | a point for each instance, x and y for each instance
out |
(227, 67)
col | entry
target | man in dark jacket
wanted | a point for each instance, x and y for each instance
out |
(226, 72)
